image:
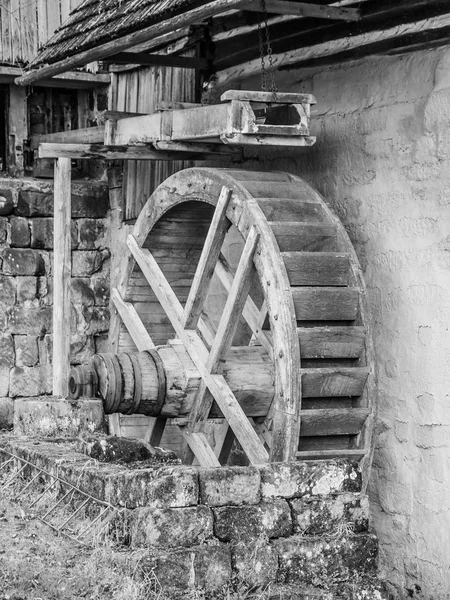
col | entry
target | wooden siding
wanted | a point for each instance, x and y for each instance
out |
(25, 25)
(141, 90)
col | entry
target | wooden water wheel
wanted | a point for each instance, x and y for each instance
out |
(250, 271)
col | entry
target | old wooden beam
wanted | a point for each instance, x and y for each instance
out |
(208, 260)
(61, 277)
(303, 9)
(89, 135)
(338, 47)
(162, 60)
(70, 80)
(196, 15)
(99, 151)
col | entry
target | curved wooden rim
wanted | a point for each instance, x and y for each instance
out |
(244, 212)
(204, 185)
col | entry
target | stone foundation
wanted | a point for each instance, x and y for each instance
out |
(300, 525)
(26, 255)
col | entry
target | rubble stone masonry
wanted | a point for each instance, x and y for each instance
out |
(26, 256)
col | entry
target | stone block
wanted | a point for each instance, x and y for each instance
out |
(6, 413)
(27, 288)
(165, 487)
(256, 563)
(171, 527)
(100, 288)
(96, 318)
(323, 561)
(207, 567)
(27, 354)
(87, 262)
(42, 233)
(90, 199)
(20, 232)
(53, 416)
(4, 230)
(30, 320)
(314, 478)
(81, 292)
(342, 512)
(8, 293)
(245, 523)
(91, 234)
(23, 261)
(45, 289)
(230, 485)
(7, 356)
(4, 381)
(81, 349)
(6, 201)
(34, 203)
(30, 381)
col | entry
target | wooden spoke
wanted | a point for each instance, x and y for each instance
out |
(208, 259)
(227, 327)
(250, 312)
(132, 322)
(198, 352)
(201, 448)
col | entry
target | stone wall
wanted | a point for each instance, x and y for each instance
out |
(26, 243)
(382, 161)
(296, 524)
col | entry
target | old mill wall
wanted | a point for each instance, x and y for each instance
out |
(382, 161)
(26, 255)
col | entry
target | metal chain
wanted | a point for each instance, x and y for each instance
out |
(264, 82)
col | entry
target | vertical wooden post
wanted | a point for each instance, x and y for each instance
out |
(61, 276)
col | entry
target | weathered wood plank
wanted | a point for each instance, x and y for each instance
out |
(336, 381)
(61, 277)
(331, 342)
(90, 135)
(333, 422)
(317, 268)
(295, 237)
(161, 60)
(208, 259)
(289, 209)
(97, 151)
(305, 10)
(326, 454)
(325, 303)
(279, 98)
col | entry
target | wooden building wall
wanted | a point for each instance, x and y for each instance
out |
(27, 24)
(140, 90)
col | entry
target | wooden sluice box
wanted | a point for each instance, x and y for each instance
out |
(243, 118)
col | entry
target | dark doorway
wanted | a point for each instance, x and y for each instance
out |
(3, 125)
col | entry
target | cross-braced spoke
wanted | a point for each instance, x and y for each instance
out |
(203, 360)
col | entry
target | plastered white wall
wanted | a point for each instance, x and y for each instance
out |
(382, 161)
